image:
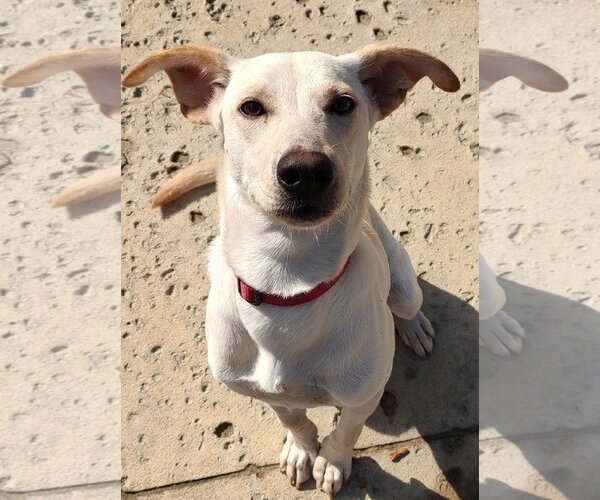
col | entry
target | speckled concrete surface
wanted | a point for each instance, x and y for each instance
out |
(59, 270)
(178, 423)
(540, 231)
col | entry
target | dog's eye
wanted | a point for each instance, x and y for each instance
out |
(252, 108)
(343, 105)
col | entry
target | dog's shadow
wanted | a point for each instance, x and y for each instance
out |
(369, 480)
(546, 400)
(435, 398)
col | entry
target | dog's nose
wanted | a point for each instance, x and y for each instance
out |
(305, 174)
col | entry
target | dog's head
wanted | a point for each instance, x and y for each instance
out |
(295, 125)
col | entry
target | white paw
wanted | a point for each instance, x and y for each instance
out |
(332, 468)
(297, 458)
(417, 333)
(501, 334)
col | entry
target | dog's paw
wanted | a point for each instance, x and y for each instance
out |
(332, 467)
(417, 333)
(297, 459)
(501, 334)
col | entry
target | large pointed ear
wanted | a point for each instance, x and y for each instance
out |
(390, 71)
(196, 72)
(99, 68)
(495, 65)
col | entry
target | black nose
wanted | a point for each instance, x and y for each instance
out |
(305, 174)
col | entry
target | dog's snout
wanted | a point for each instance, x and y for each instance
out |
(305, 174)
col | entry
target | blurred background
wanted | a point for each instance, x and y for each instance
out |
(539, 403)
(59, 267)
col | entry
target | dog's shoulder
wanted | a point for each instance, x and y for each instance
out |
(369, 231)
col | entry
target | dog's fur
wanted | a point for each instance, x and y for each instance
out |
(185, 180)
(100, 70)
(338, 349)
(499, 332)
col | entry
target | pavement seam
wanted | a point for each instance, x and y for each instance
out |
(59, 489)
(252, 468)
(559, 432)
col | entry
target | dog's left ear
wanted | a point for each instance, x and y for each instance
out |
(390, 71)
(99, 68)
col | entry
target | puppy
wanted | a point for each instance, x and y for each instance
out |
(100, 70)
(499, 332)
(304, 273)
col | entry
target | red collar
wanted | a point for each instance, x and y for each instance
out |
(257, 298)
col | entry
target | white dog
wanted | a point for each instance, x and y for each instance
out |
(498, 332)
(304, 274)
(100, 70)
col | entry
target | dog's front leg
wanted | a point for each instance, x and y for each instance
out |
(300, 447)
(498, 332)
(405, 298)
(334, 463)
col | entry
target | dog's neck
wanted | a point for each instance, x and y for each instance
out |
(275, 258)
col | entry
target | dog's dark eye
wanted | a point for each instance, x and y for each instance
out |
(343, 105)
(252, 108)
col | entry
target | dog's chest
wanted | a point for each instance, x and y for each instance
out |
(285, 366)
(289, 385)
(331, 351)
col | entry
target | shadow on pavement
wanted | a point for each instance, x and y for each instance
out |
(368, 480)
(437, 396)
(546, 400)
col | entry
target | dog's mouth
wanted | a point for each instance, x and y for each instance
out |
(302, 213)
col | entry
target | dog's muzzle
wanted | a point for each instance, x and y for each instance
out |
(308, 179)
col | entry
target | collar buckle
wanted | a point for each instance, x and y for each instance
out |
(249, 294)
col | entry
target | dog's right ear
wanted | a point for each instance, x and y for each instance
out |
(495, 66)
(197, 74)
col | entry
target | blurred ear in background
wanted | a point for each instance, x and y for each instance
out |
(495, 65)
(99, 68)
